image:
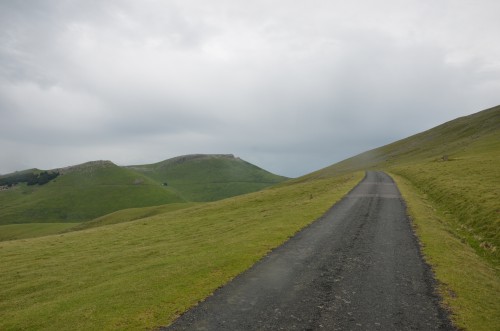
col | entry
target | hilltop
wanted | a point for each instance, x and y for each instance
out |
(208, 177)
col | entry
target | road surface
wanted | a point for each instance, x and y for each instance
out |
(357, 268)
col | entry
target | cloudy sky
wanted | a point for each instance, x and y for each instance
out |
(291, 86)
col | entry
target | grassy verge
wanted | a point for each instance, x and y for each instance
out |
(467, 189)
(142, 274)
(469, 285)
(31, 230)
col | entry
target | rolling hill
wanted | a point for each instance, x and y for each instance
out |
(81, 193)
(202, 177)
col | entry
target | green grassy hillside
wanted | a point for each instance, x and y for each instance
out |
(141, 274)
(131, 214)
(473, 133)
(457, 165)
(31, 230)
(209, 177)
(82, 193)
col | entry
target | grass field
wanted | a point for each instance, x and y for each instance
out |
(31, 230)
(141, 274)
(131, 214)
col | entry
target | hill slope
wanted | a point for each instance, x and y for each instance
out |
(81, 193)
(456, 165)
(457, 137)
(93, 189)
(209, 177)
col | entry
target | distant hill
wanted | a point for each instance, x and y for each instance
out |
(80, 193)
(86, 191)
(208, 177)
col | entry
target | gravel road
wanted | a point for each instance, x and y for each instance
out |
(356, 268)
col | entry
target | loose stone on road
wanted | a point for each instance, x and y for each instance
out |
(356, 268)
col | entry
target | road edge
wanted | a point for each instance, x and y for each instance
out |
(468, 287)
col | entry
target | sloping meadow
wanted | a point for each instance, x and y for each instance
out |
(141, 274)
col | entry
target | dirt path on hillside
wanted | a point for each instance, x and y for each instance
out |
(357, 268)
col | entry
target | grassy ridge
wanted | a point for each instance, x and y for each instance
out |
(466, 133)
(202, 177)
(142, 274)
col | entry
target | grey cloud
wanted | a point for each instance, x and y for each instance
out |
(290, 86)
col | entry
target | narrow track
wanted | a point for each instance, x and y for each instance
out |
(357, 268)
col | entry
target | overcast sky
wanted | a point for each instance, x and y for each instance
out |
(291, 86)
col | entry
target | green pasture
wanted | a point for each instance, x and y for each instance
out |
(142, 274)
